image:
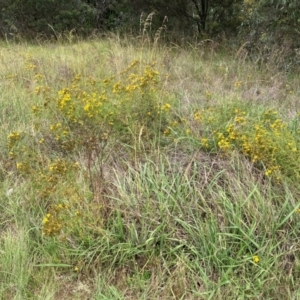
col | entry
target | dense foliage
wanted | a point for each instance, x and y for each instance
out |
(265, 27)
(192, 16)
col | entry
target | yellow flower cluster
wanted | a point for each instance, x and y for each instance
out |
(84, 117)
(266, 139)
(135, 81)
(237, 84)
(12, 138)
(23, 167)
(55, 220)
(59, 167)
(42, 90)
(116, 106)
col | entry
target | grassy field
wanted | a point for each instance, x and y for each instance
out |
(132, 170)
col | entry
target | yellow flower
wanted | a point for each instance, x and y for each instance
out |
(19, 165)
(255, 259)
(34, 108)
(166, 107)
(204, 142)
(268, 172)
(197, 116)
(167, 131)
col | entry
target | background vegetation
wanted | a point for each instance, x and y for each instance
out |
(143, 164)
(266, 29)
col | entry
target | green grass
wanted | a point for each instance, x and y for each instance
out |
(177, 185)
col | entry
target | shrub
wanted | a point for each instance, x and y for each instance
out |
(85, 121)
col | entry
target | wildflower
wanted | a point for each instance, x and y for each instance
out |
(46, 219)
(268, 172)
(240, 120)
(77, 78)
(19, 165)
(166, 107)
(167, 131)
(34, 108)
(204, 142)
(197, 116)
(237, 84)
(256, 259)
(117, 87)
(14, 136)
